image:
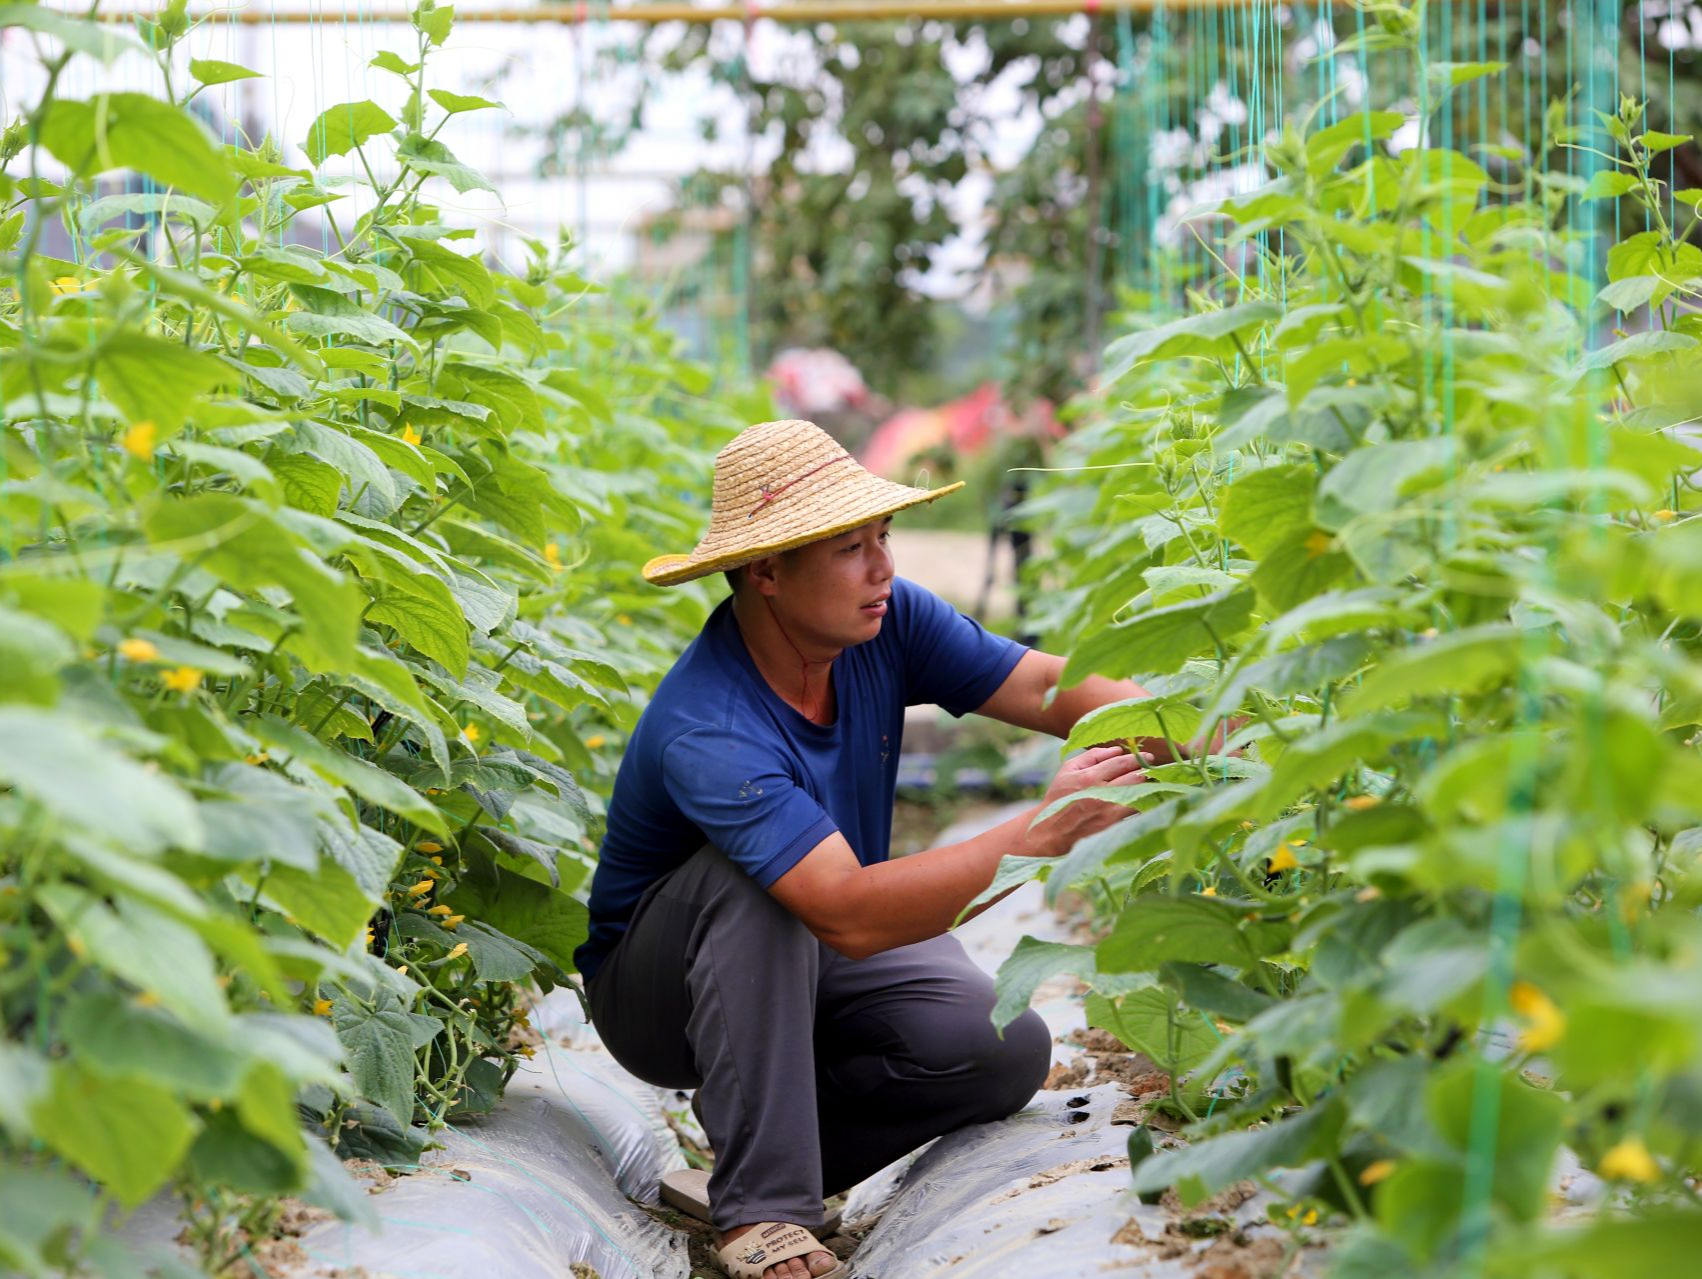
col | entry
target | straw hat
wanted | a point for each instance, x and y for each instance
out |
(781, 485)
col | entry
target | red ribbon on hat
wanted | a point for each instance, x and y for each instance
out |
(768, 494)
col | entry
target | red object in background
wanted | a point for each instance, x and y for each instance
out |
(966, 427)
(816, 383)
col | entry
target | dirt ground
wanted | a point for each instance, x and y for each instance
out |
(954, 567)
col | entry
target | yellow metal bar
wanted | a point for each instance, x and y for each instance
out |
(792, 11)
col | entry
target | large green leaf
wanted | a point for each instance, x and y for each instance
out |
(1460, 662)
(379, 1043)
(1030, 964)
(371, 783)
(144, 948)
(1159, 929)
(1210, 333)
(1163, 717)
(95, 38)
(1151, 1021)
(137, 131)
(127, 1134)
(421, 607)
(1161, 640)
(1201, 1170)
(342, 128)
(1264, 508)
(242, 543)
(41, 1211)
(153, 380)
(545, 918)
(113, 1036)
(327, 901)
(51, 758)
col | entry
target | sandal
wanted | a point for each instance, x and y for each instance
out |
(688, 1190)
(768, 1244)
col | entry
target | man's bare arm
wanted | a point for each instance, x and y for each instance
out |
(863, 910)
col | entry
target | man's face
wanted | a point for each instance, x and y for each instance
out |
(836, 591)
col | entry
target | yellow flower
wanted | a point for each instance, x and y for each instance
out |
(410, 436)
(552, 556)
(595, 742)
(1359, 803)
(460, 950)
(472, 733)
(428, 846)
(76, 947)
(422, 888)
(440, 910)
(138, 650)
(1284, 859)
(623, 619)
(1210, 890)
(1630, 1160)
(322, 1008)
(185, 679)
(67, 284)
(526, 1051)
(1663, 515)
(147, 999)
(1375, 1172)
(452, 921)
(1545, 1023)
(403, 969)
(1318, 543)
(371, 936)
(259, 758)
(139, 439)
(1369, 893)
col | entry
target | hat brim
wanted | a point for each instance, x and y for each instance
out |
(672, 570)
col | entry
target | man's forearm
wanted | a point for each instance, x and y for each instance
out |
(910, 899)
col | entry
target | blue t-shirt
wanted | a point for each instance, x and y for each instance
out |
(719, 758)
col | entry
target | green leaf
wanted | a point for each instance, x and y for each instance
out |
(1265, 508)
(1298, 570)
(1643, 1242)
(1528, 1123)
(421, 607)
(32, 650)
(1159, 929)
(436, 160)
(1638, 346)
(137, 131)
(1465, 661)
(128, 1135)
(1210, 333)
(1161, 640)
(342, 128)
(154, 380)
(117, 1037)
(1608, 184)
(1655, 142)
(226, 1153)
(368, 781)
(455, 103)
(434, 20)
(1374, 479)
(308, 483)
(210, 72)
(391, 62)
(97, 39)
(1207, 990)
(23, 1079)
(496, 956)
(1136, 717)
(144, 948)
(327, 902)
(1453, 74)
(379, 1043)
(544, 918)
(1632, 292)
(1012, 872)
(1027, 967)
(447, 271)
(1201, 1170)
(52, 759)
(42, 1210)
(1305, 669)
(1150, 1021)
(244, 545)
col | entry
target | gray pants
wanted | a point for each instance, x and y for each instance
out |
(813, 1070)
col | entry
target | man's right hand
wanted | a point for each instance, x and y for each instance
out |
(1100, 766)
